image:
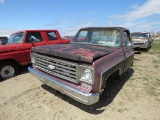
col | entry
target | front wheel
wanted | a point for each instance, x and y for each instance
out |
(7, 70)
(106, 94)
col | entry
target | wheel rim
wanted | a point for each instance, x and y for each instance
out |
(7, 71)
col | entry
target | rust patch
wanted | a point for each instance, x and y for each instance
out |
(78, 52)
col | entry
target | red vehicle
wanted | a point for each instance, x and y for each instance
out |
(82, 68)
(16, 52)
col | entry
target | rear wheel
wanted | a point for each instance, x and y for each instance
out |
(8, 70)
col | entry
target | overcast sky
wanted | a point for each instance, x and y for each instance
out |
(70, 15)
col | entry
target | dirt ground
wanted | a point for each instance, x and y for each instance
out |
(136, 96)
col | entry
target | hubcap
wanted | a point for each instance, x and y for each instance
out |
(7, 71)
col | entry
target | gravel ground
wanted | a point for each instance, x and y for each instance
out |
(136, 96)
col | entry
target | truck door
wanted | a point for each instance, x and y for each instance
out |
(38, 41)
(17, 40)
(128, 49)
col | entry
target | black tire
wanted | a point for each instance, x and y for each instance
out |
(106, 94)
(8, 70)
(108, 90)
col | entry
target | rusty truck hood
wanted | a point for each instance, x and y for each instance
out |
(78, 52)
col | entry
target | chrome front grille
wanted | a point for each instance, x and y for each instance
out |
(60, 68)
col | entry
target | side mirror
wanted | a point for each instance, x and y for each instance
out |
(32, 40)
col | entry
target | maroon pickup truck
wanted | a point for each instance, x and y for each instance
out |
(82, 68)
(17, 51)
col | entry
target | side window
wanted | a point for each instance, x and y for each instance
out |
(52, 36)
(35, 35)
(127, 41)
(82, 36)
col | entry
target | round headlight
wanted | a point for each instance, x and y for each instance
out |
(87, 74)
(32, 58)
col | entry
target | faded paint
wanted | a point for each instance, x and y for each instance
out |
(107, 65)
(104, 60)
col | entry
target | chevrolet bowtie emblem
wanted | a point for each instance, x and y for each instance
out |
(52, 67)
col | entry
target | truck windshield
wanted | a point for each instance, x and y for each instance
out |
(105, 37)
(16, 38)
(139, 35)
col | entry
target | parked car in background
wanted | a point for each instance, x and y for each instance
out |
(141, 40)
(3, 40)
(149, 36)
(83, 68)
(16, 52)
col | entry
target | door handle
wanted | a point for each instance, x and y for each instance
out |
(44, 44)
(121, 54)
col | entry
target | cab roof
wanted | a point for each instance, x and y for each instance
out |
(106, 28)
(43, 30)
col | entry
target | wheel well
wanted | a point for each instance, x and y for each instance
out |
(113, 75)
(108, 80)
(11, 61)
(109, 77)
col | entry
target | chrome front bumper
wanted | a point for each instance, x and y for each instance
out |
(80, 96)
(140, 45)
